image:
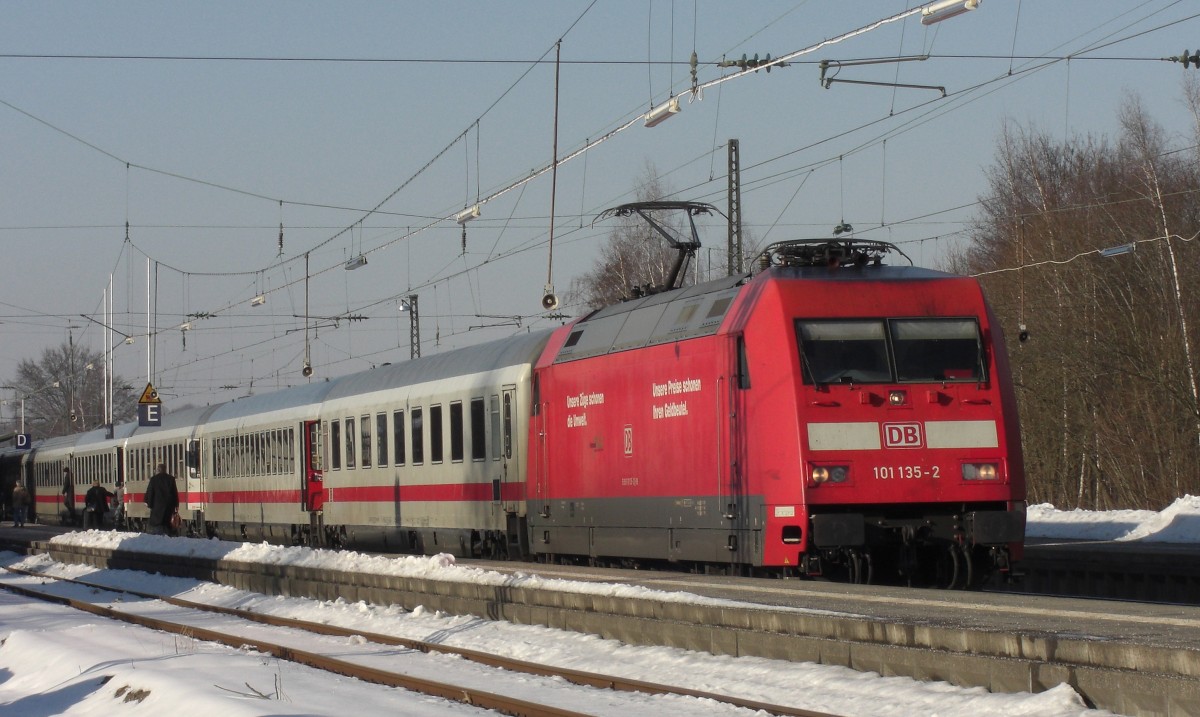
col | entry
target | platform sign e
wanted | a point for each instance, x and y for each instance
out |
(149, 408)
(149, 414)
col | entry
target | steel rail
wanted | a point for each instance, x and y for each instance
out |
(456, 693)
(578, 677)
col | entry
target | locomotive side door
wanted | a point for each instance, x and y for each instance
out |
(312, 470)
(739, 514)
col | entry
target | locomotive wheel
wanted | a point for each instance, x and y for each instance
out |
(949, 569)
(860, 569)
(969, 577)
(854, 566)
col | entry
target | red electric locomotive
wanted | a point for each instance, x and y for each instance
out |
(828, 415)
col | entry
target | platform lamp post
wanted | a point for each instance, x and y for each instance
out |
(55, 384)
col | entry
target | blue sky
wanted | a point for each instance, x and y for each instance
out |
(204, 146)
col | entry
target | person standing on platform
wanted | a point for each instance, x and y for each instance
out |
(119, 507)
(20, 504)
(68, 493)
(95, 505)
(162, 497)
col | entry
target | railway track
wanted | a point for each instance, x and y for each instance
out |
(276, 636)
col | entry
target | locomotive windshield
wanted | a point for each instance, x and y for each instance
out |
(890, 351)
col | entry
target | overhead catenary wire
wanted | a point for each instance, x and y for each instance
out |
(590, 144)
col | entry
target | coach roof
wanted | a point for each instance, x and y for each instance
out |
(522, 349)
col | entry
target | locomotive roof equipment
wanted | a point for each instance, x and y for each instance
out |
(832, 253)
(686, 249)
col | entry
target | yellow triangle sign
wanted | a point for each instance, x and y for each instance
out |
(150, 395)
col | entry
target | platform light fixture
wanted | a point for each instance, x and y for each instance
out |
(666, 110)
(467, 214)
(946, 9)
(1118, 250)
(356, 262)
(259, 300)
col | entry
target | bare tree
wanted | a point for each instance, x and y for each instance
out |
(1106, 382)
(63, 392)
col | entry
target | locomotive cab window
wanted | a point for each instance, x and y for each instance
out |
(937, 350)
(843, 352)
(890, 351)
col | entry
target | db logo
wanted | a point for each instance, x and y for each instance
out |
(902, 435)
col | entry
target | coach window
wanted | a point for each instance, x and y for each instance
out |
(418, 437)
(478, 438)
(350, 462)
(335, 445)
(277, 450)
(456, 431)
(435, 434)
(495, 424)
(264, 455)
(289, 445)
(381, 434)
(261, 458)
(364, 427)
(398, 433)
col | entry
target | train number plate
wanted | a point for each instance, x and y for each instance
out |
(906, 472)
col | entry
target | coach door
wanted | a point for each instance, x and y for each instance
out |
(312, 492)
(192, 497)
(510, 470)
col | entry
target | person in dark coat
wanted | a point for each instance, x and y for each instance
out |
(162, 497)
(20, 505)
(95, 505)
(68, 493)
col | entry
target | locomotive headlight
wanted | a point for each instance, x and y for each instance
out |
(980, 471)
(829, 474)
(897, 398)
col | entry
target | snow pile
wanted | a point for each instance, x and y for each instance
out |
(1179, 523)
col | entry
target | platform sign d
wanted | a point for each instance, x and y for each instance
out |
(24, 441)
